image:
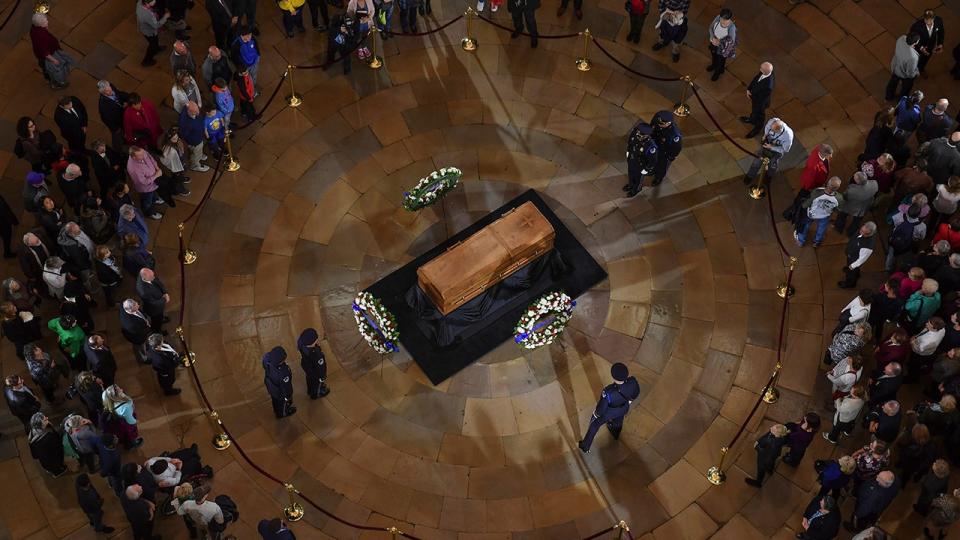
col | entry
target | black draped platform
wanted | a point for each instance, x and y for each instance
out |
(443, 345)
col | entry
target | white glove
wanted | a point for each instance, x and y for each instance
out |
(26, 316)
(644, 171)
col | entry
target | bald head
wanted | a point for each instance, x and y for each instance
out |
(214, 52)
(180, 47)
(942, 105)
(147, 274)
(192, 108)
(72, 171)
(766, 68)
(886, 479)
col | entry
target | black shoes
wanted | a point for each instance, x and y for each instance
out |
(533, 43)
(658, 45)
(745, 119)
(753, 132)
(173, 392)
(753, 482)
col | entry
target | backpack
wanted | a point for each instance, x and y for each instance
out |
(902, 237)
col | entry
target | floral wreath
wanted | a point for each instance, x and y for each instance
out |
(431, 188)
(544, 320)
(377, 325)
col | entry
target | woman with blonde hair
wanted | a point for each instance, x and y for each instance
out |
(834, 475)
(880, 169)
(123, 423)
(185, 90)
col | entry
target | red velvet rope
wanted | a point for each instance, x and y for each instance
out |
(428, 32)
(511, 30)
(628, 68)
(715, 123)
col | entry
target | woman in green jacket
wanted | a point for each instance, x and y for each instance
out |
(70, 337)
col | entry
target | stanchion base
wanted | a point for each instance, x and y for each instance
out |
(294, 512)
(376, 62)
(771, 396)
(189, 256)
(756, 192)
(715, 476)
(221, 441)
(294, 100)
(584, 64)
(681, 110)
(233, 165)
(783, 291)
(188, 360)
(468, 44)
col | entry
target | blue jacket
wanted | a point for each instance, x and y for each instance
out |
(138, 227)
(214, 126)
(109, 460)
(224, 99)
(191, 129)
(908, 115)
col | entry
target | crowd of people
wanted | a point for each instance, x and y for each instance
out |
(90, 239)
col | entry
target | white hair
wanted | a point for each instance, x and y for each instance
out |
(39, 19)
(128, 304)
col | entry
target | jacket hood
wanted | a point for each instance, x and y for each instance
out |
(307, 337)
(275, 357)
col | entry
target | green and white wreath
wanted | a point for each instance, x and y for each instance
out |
(431, 188)
(377, 325)
(544, 320)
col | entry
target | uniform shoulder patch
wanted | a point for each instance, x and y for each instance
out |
(676, 139)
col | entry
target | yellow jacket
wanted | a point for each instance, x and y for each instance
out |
(290, 5)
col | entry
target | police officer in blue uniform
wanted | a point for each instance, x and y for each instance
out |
(614, 404)
(313, 362)
(669, 143)
(642, 154)
(279, 382)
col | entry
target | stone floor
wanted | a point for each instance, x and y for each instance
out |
(314, 215)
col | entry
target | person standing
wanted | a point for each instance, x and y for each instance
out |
(154, 297)
(642, 155)
(274, 529)
(108, 273)
(181, 58)
(821, 519)
(760, 92)
(46, 445)
(139, 511)
(141, 122)
(135, 326)
(108, 166)
(216, 66)
(577, 8)
(71, 118)
(935, 122)
(149, 22)
(279, 382)
(292, 16)
(110, 462)
(873, 497)
(100, 359)
(723, 42)
(942, 157)
(814, 175)
(246, 12)
(222, 20)
(191, 131)
(524, 11)
(111, 104)
(55, 64)
(768, 448)
(903, 67)
(844, 418)
(800, 435)
(858, 250)
(857, 200)
(637, 11)
(777, 141)
(245, 50)
(313, 362)
(669, 143)
(819, 207)
(145, 173)
(672, 26)
(614, 404)
(23, 403)
(91, 503)
(929, 28)
(164, 360)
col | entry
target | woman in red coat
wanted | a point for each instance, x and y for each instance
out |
(141, 123)
(814, 175)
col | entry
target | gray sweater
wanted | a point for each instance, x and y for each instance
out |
(905, 58)
(858, 198)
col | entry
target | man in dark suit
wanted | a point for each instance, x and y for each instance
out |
(154, 296)
(100, 359)
(930, 29)
(223, 17)
(821, 519)
(109, 166)
(164, 360)
(135, 326)
(33, 254)
(111, 104)
(884, 387)
(760, 91)
(524, 11)
(139, 511)
(71, 118)
(768, 447)
(873, 497)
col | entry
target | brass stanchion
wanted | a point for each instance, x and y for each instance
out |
(757, 191)
(784, 290)
(772, 395)
(189, 255)
(469, 43)
(232, 164)
(621, 527)
(293, 512)
(188, 359)
(375, 61)
(41, 7)
(715, 474)
(682, 109)
(394, 532)
(221, 441)
(294, 99)
(583, 63)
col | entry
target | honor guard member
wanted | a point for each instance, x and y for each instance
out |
(279, 382)
(164, 360)
(313, 363)
(641, 157)
(614, 404)
(669, 143)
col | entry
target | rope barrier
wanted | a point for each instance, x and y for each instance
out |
(428, 32)
(773, 220)
(539, 36)
(630, 69)
(717, 124)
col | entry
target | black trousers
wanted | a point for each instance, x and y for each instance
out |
(758, 113)
(153, 47)
(577, 4)
(221, 35)
(661, 168)
(166, 381)
(850, 277)
(636, 24)
(96, 520)
(906, 84)
(922, 62)
(321, 6)
(615, 425)
(281, 407)
(143, 531)
(841, 222)
(634, 174)
(530, 18)
(333, 49)
(717, 62)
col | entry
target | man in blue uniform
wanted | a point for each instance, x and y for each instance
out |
(669, 143)
(279, 382)
(313, 362)
(614, 404)
(641, 157)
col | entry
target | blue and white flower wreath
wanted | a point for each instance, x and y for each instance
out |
(544, 320)
(431, 188)
(377, 325)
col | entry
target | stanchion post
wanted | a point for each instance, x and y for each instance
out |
(375, 61)
(715, 474)
(772, 395)
(221, 441)
(394, 532)
(758, 191)
(232, 164)
(621, 528)
(189, 256)
(784, 290)
(293, 512)
(681, 109)
(469, 43)
(583, 63)
(294, 99)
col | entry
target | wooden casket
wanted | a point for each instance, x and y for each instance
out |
(487, 257)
